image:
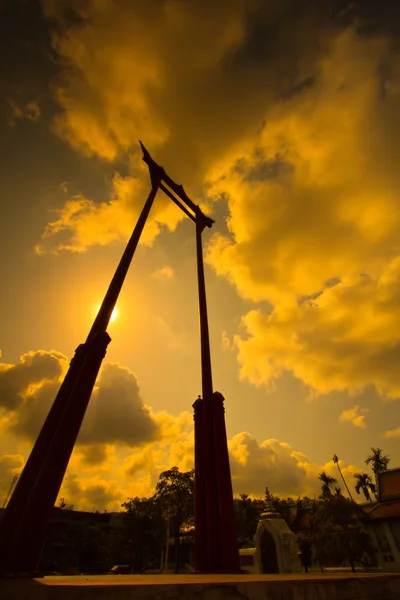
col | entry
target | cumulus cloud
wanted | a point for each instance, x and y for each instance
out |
(82, 222)
(344, 338)
(271, 463)
(314, 222)
(288, 113)
(164, 273)
(352, 415)
(34, 371)
(392, 433)
(91, 493)
(254, 466)
(116, 412)
(314, 195)
(188, 107)
(124, 445)
(275, 464)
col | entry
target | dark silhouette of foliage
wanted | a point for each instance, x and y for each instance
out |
(328, 482)
(175, 494)
(365, 485)
(247, 516)
(144, 531)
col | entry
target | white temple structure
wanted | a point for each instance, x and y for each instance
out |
(276, 546)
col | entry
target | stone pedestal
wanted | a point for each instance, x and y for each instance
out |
(276, 546)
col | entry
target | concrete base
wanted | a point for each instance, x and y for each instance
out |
(368, 586)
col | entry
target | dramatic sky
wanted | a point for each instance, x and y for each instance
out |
(282, 120)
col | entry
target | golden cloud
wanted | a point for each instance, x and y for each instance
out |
(392, 433)
(164, 273)
(254, 466)
(124, 445)
(314, 222)
(353, 416)
(82, 222)
(346, 338)
(124, 77)
(275, 464)
(298, 132)
(313, 196)
(91, 493)
(116, 413)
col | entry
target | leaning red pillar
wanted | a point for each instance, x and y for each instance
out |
(29, 493)
(25, 551)
(18, 501)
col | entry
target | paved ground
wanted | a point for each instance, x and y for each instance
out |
(338, 586)
(193, 579)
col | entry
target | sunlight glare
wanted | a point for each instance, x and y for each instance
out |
(114, 314)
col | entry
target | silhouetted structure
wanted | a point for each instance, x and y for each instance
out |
(216, 547)
(22, 530)
(23, 527)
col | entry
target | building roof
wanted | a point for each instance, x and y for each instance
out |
(384, 510)
(389, 484)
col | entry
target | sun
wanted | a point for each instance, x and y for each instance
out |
(114, 313)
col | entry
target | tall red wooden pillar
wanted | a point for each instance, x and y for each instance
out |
(217, 527)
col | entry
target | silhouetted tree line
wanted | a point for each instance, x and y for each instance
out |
(335, 536)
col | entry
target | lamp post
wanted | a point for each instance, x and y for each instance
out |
(23, 525)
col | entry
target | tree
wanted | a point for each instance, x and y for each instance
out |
(176, 489)
(336, 512)
(379, 463)
(305, 502)
(94, 550)
(365, 485)
(328, 482)
(144, 528)
(247, 517)
(336, 461)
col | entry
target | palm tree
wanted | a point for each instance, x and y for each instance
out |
(379, 463)
(336, 461)
(337, 512)
(328, 482)
(364, 484)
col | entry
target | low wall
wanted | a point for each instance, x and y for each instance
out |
(205, 587)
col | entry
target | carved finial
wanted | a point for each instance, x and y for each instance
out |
(146, 154)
